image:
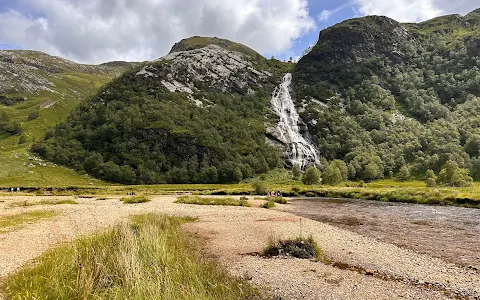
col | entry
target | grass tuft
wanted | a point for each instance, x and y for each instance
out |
(299, 248)
(212, 201)
(135, 200)
(268, 204)
(278, 199)
(7, 223)
(152, 259)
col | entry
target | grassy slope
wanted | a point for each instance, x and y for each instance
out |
(72, 85)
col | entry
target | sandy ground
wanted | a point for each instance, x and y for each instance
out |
(234, 233)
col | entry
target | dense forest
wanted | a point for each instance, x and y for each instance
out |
(386, 97)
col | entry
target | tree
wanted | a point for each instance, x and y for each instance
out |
(351, 172)
(332, 175)
(475, 168)
(372, 172)
(209, 175)
(237, 175)
(311, 176)
(403, 174)
(342, 167)
(430, 178)
(259, 187)
(296, 171)
(472, 147)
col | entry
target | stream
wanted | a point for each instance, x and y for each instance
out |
(446, 232)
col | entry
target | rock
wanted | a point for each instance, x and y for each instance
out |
(369, 272)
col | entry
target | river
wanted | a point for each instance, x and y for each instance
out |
(446, 232)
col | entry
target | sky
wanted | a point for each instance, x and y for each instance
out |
(97, 31)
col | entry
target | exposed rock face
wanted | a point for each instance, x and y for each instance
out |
(361, 39)
(18, 78)
(33, 71)
(211, 67)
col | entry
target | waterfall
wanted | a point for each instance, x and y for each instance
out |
(299, 150)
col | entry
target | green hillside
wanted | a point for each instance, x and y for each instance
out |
(382, 95)
(37, 91)
(196, 116)
(389, 99)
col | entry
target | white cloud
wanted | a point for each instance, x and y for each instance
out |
(414, 10)
(96, 31)
(325, 15)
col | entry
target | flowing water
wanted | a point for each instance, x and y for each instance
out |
(447, 232)
(299, 149)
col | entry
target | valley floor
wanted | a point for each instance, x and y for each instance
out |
(235, 234)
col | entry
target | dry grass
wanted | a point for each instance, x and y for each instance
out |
(149, 258)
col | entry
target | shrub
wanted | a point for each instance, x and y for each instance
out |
(135, 200)
(299, 248)
(311, 176)
(310, 194)
(268, 204)
(22, 140)
(33, 115)
(259, 187)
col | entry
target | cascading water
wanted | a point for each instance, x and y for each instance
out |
(299, 150)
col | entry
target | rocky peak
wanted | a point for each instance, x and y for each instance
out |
(198, 42)
(211, 67)
(361, 39)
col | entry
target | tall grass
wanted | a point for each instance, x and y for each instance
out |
(8, 223)
(212, 201)
(150, 258)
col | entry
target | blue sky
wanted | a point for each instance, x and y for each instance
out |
(340, 12)
(95, 31)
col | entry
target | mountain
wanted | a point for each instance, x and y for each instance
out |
(37, 91)
(196, 115)
(382, 95)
